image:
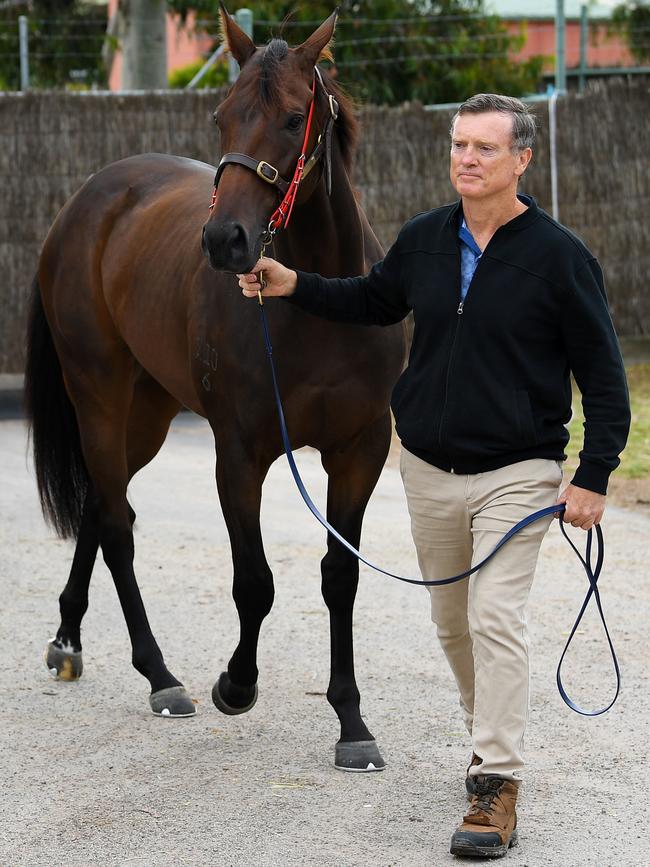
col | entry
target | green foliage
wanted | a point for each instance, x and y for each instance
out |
(394, 51)
(216, 76)
(65, 43)
(632, 20)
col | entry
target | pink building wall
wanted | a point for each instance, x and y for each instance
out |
(602, 49)
(184, 46)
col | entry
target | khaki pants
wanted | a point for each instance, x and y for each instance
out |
(456, 521)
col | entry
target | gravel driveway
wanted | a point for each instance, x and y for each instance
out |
(90, 777)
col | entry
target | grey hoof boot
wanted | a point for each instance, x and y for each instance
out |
(172, 702)
(358, 757)
(240, 699)
(63, 664)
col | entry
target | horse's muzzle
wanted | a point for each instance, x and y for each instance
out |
(228, 247)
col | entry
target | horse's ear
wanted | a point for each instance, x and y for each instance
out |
(317, 47)
(238, 43)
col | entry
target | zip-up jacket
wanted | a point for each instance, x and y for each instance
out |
(488, 379)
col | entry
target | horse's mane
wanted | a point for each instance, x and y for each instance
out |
(273, 96)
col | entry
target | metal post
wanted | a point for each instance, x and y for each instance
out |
(560, 57)
(23, 39)
(552, 135)
(584, 31)
(207, 66)
(243, 17)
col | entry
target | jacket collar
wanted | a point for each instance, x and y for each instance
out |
(515, 225)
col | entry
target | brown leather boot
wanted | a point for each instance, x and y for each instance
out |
(490, 827)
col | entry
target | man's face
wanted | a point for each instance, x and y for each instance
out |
(482, 162)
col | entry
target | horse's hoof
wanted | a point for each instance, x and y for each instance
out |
(240, 698)
(63, 664)
(358, 757)
(172, 702)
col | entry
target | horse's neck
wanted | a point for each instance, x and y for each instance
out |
(326, 233)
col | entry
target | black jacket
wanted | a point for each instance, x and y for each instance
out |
(487, 383)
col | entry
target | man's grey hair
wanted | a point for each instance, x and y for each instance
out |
(523, 121)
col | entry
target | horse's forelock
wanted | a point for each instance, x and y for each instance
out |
(270, 89)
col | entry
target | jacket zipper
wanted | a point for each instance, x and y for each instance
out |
(459, 313)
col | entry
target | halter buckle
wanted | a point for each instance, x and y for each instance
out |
(267, 172)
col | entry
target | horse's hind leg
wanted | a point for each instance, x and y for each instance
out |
(353, 472)
(63, 654)
(151, 412)
(120, 433)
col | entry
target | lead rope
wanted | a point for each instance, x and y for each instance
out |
(593, 573)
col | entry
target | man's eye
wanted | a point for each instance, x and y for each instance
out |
(295, 122)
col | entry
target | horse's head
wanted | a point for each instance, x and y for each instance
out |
(263, 123)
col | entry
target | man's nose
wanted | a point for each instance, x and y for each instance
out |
(469, 156)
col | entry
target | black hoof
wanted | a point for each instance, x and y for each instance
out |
(172, 702)
(233, 699)
(358, 757)
(63, 664)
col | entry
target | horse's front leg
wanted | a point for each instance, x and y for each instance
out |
(353, 473)
(239, 482)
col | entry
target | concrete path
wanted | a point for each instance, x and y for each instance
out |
(90, 777)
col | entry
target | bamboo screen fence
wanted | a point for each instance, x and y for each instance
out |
(51, 142)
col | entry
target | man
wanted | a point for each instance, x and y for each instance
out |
(506, 304)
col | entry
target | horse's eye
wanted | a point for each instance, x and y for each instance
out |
(295, 122)
(215, 117)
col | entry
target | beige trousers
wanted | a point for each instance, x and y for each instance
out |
(456, 521)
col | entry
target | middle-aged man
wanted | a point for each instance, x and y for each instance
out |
(506, 303)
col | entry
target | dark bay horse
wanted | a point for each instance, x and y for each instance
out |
(136, 312)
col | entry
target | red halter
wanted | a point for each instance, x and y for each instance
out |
(281, 215)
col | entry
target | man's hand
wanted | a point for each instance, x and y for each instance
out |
(278, 279)
(583, 508)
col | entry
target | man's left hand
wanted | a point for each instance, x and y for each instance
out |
(583, 508)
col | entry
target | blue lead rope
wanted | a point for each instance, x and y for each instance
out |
(593, 573)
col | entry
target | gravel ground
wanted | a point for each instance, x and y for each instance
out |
(90, 777)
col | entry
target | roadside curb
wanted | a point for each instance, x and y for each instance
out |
(11, 395)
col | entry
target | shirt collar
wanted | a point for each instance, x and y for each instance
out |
(468, 239)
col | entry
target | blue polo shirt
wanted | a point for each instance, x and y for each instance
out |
(470, 253)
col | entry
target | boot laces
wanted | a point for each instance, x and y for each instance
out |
(486, 792)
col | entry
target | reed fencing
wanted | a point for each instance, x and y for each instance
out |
(50, 142)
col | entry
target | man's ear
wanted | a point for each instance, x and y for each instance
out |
(525, 156)
(317, 46)
(238, 43)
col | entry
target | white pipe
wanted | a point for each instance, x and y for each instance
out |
(552, 133)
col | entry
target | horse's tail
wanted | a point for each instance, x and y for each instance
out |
(61, 471)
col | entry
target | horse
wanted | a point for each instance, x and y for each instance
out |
(136, 313)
